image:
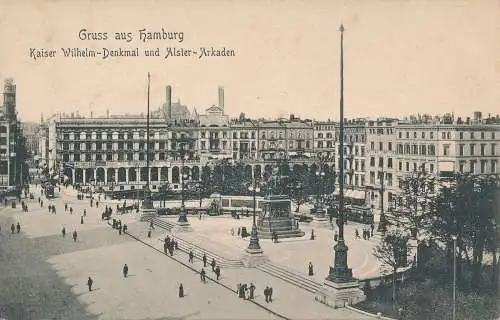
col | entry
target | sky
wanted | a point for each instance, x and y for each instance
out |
(400, 57)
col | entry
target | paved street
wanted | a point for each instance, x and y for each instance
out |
(44, 276)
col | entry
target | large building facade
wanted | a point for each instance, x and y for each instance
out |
(111, 151)
(11, 140)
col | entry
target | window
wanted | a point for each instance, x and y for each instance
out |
(461, 149)
(389, 146)
(414, 166)
(493, 166)
(472, 135)
(372, 161)
(77, 157)
(88, 157)
(493, 147)
(446, 149)
(372, 145)
(483, 166)
(443, 135)
(448, 135)
(493, 135)
(362, 164)
(109, 157)
(400, 135)
(381, 146)
(98, 157)
(381, 162)
(471, 149)
(400, 166)
(431, 135)
(414, 134)
(482, 148)
(472, 166)
(482, 135)
(372, 177)
(431, 167)
(461, 135)
(423, 135)
(461, 167)
(407, 135)
(407, 166)
(389, 162)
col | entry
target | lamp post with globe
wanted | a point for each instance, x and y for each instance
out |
(253, 246)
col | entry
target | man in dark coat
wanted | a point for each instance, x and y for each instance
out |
(204, 260)
(181, 291)
(89, 283)
(125, 270)
(12, 228)
(203, 275)
(213, 264)
(252, 290)
(63, 232)
(191, 256)
(217, 272)
(18, 227)
(75, 235)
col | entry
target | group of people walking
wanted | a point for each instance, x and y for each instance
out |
(367, 233)
(245, 291)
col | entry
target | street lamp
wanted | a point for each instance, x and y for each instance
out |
(454, 237)
(253, 246)
(321, 176)
(183, 221)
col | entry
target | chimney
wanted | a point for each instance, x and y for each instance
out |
(168, 104)
(107, 113)
(477, 115)
(221, 98)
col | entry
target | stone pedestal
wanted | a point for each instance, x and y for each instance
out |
(253, 259)
(339, 295)
(277, 217)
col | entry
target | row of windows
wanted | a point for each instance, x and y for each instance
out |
(416, 149)
(482, 166)
(472, 135)
(414, 167)
(422, 135)
(380, 131)
(381, 162)
(472, 149)
(381, 146)
(384, 178)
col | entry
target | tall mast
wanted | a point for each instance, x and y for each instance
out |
(147, 137)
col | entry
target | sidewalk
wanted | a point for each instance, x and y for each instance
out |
(288, 300)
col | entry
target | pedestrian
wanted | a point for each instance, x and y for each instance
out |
(149, 232)
(238, 290)
(356, 234)
(270, 294)
(66, 209)
(97, 204)
(312, 234)
(89, 283)
(211, 263)
(120, 231)
(239, 231)
(217, 272)
(203, 275)
(191, 256)
(84, 212)
(252, 290)
(81, 219)
(176, 245)
(181, 291)
(266, 293)
(125, 270)
(372, 226)
(71, 210)
(63, 232)
(336, 236)
(204, 260)
(18, 227)
(75, 235)
(124, 228)
(311, 271)
(12, 228)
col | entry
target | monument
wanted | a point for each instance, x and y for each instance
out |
(277, 218)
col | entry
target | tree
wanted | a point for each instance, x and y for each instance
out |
(415, 206)
(393, 252)
(299, 187)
